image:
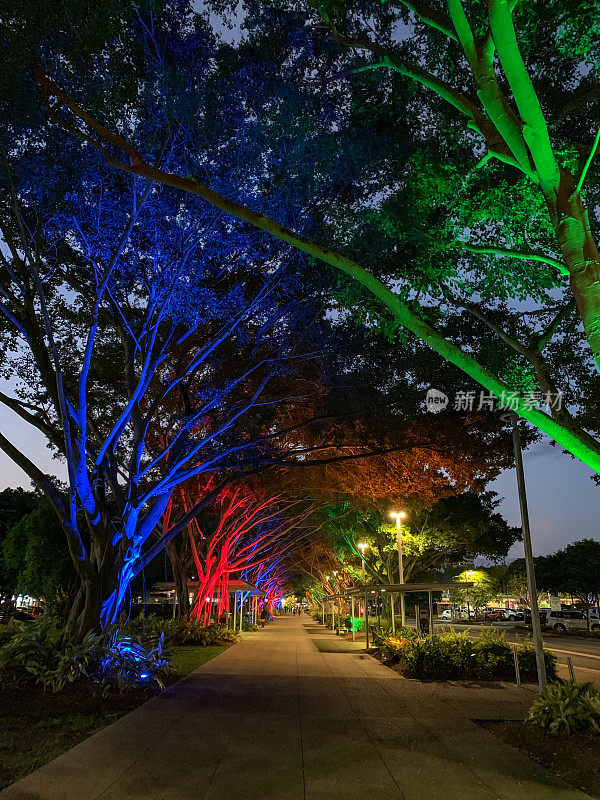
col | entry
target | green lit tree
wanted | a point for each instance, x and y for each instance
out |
(435, 537)
(484, 589)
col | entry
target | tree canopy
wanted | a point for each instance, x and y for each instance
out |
(166, 318)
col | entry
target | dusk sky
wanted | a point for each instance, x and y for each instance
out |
(563, 500)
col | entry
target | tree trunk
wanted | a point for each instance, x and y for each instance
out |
(581, 257)
(182, 594)
(85, 612)
(97, 574)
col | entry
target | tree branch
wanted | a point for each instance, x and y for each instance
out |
(402, 312)
(535, 131)
(588, 162)
(33, 419)
(500, 251)
(539, 342)
(432, 17)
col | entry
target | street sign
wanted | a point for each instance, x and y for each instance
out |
(554, 602)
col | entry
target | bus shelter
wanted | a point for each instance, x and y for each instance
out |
(376, 590)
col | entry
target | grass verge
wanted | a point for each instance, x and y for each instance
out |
(186, 659)
(37, 726)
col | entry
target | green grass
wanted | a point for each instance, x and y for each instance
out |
(186, 659)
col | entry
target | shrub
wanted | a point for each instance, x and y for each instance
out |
(566, 708)
(180, 632)
(150, 628)
(36, 655)
(454, 655)
(528, 663)
(492, 656)
(194, 633)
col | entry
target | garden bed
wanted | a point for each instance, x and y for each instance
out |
(456, 656)
(573, 758)
(37, 726)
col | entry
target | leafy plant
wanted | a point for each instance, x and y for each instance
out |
(28, 653)
(182, 632)
(454, 655)
(566, 708)
(36, 654)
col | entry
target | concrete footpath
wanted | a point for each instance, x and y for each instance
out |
(294, 713)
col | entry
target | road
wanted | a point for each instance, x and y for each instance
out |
(584, 653)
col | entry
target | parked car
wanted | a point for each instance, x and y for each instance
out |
(514, 615)
(564, 620)
(459, 613)
(503, 615)
(594, 619)
(494, 614)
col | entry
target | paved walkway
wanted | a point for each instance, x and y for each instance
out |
(294, 713)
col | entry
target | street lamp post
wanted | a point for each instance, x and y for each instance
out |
(529, 566)
(399, 516)
(362, 546)
(339, 602)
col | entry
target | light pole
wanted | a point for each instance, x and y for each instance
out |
(362, 546)
(339, 601)
(328, 578)
(536, 628)
(399, 516)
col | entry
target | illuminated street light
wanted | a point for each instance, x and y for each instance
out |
(362, 547)
(399, 516)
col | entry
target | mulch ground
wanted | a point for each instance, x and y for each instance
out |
(573, 758)
(72, 698)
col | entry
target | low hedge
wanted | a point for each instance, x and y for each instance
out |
(455, 656)
(37, 654)
(178, 632)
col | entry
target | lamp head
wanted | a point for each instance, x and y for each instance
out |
(362, 546)
(398, 514)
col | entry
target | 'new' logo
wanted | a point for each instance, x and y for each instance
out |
(436, 401)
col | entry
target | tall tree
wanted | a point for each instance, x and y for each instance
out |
(436, 537)
(117, 298)
(34, 555)
(14, 505)
(516, 147)
(574, 570)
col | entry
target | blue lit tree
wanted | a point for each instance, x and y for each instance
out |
(142, 331)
